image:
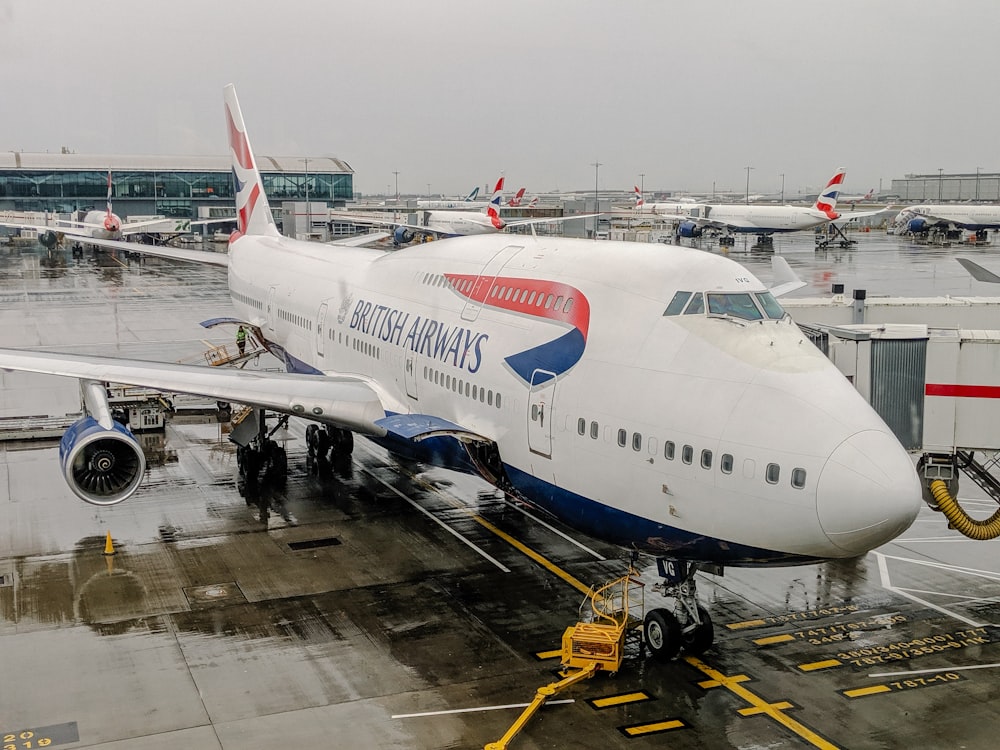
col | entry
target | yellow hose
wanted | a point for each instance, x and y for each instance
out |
(960, 520)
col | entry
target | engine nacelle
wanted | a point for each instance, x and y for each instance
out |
(101, 466)
(917, 225)
(48, 239)
(402, 235)
(689, 229)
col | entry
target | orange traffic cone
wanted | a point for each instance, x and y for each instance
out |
(109, 548)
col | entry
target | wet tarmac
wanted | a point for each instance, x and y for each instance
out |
(388, 605)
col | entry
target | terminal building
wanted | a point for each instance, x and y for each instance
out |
(187, 187)
(944, 188)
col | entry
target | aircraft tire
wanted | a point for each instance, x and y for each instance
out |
(311, 431)
(662, 634)
(699, 640)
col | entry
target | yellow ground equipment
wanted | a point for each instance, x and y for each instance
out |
(596, 644)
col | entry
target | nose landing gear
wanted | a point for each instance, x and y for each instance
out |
(687, 625)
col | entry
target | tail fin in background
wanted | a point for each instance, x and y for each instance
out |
(252, 209)
(827, 200)
(869, 195)
(472, 196)
(493, 210)
(516, 200)
(111, 222)
(533, 203)
(639, 200)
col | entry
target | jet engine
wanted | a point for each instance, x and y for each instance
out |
(102, 466)
(689, 229)
(49, 239)
(917, 225)
(402, 235)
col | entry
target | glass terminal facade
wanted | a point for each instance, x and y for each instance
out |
(162, 192)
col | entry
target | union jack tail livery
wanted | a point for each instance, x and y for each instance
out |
(252, 209)
(493, 210)
(639, 201)
(827, 200)
(111, 222)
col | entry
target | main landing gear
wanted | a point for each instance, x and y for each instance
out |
(687, 625)
(329, 448)
(262, 461)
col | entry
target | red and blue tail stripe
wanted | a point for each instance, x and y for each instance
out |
(537, 298)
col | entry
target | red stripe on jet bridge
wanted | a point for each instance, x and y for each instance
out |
(962, 391)
(500, 293)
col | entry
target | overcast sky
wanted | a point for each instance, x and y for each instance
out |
(451, 93)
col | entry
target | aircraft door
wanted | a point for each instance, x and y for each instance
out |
(320, 326)
(484, 282)
(541, 414)
(270, 311)
(410, 373)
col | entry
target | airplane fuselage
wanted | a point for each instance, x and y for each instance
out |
(973, 217)
(766, 219)
(459, 223)
(700, 436)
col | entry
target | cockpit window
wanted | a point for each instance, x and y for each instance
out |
(770, 304)
(677, 303)
(696, 306)
(737, 305)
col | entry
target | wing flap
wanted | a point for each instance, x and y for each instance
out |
(341, 401)
(421, 426)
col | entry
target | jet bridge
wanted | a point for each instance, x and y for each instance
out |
(938, 389)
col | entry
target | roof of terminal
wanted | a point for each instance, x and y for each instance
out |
(118, 162)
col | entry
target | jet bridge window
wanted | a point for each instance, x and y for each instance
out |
(738, 305)
(772, 309)
(677, 303)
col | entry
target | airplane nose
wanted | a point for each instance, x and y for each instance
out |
(868, 492)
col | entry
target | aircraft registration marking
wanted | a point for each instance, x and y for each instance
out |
(912, 683)
(758, 706)
(27, 739)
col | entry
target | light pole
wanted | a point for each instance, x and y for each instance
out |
(977, 182)
(748, 168)
(597, 171)
(428, 190)
(397, 186)
(940, 182)
(305, 160)
(782, 188)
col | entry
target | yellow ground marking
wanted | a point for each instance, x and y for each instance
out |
(659, 726)
(774, 639)
(745, 624)
(543, 655)
(619, 700)
(813, 666)
(758, 704)
(862, 692)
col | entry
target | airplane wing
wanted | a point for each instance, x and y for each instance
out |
(360, 239)
(547, 220)
(978, 272)
(161, 251)
(342, 401)
(785, 279)
(375, 222)
(849, 216)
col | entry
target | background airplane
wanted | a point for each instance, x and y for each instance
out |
(516, 200)
(650, 396)
(765, 220)
(105, 225)
(854, 199)
(679, 208)
(976, 217)
(468, 202)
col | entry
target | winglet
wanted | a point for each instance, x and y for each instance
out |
(978, 272)
(827, 200)
(252, 209)
(785, 279)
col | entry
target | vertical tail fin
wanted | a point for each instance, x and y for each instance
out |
(472, 196)
(252, 209)
(827, 200)
(111, 222)
(516, 200)
(493, 210)
(639, 200)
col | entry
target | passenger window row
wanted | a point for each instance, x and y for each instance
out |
(462, 387)
(249, 301)
(294, 319)
(772, 473)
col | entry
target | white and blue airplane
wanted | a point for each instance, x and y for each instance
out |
(655, 397)
(977, 217)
